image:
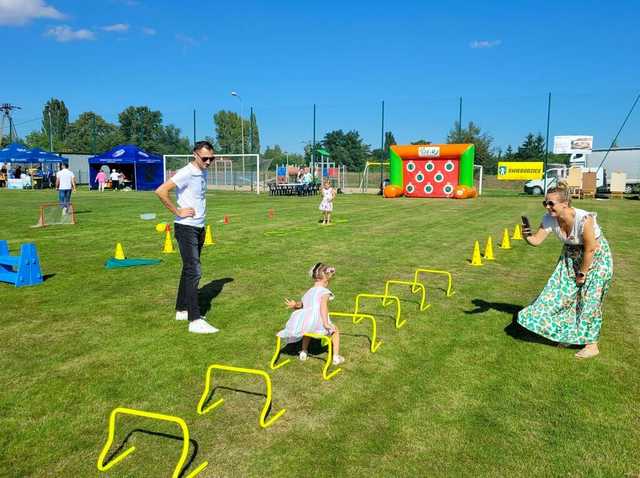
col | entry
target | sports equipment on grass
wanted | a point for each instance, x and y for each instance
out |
(22, 270)
(238, 172)
(52, 214)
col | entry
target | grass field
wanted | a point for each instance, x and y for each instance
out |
(458, 391)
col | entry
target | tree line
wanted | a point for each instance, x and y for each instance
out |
(91, 133)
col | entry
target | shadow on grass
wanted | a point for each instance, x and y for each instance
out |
(514, 329)
(192, 442)
(46, 277)
(238, 390)
(210, 291)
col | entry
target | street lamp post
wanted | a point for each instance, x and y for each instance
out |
(234, 93)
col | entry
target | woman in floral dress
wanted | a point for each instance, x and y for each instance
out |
(569, 308)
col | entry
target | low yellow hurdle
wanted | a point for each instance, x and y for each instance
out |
(384, 300)
(276, 355)
(450, 291)
(229, 368)
(414, 284)
(357, 318)
(325, 339)
(155, 416)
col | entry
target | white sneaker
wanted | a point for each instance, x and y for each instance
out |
(201, 326)
(182, 315)
(338, 359)
(303, 355)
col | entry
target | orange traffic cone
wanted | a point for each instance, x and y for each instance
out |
(476, 260)
(270, 213)
(226, 219)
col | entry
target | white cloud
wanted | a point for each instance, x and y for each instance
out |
(484, 43)
(186, 40)
(65, 33)
(116, 27)
(19, 12)
(149, 31)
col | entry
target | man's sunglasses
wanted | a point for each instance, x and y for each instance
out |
(207, 158)
(548, 203)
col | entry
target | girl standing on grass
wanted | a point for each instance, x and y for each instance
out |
(311, 315)
(326, 206)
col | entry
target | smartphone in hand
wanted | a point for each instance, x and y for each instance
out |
(526, 225)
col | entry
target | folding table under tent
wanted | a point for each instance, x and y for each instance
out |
(147, 168)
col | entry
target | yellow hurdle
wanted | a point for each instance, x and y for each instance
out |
(276, 355)
(423, 302)
(488, 250)
(417, 273)
(384, 298)
(102, 466)
(229, 368)
(357, 318)
(325, 339)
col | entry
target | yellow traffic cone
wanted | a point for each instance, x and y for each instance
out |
(488, 250)
(119, 255)
(208, 237)
(517, 233)
(505, 244)
(168, 243)
(476, 260)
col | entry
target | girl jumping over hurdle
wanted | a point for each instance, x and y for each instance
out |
(311, 315)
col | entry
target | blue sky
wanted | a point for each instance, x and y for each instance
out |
(346, 56)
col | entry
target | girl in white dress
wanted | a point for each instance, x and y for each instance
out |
(311, 315)
(326, 206)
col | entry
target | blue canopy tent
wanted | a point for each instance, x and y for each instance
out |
(145, 169)
(19, 153)
(14, 153)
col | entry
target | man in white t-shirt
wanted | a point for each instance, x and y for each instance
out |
(190, 184)
(65, 183)
(115, 179)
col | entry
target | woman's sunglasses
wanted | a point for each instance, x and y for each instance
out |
(548, 203)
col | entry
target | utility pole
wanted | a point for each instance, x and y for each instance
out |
(7, 111)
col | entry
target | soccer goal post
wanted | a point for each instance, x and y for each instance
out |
(236, 172)
(52, 214)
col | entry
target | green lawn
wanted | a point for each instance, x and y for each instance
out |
(455, 392)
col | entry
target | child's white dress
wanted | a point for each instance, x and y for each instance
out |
(307, 319)
(327, 200)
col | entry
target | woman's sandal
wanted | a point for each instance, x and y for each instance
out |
(585, 353)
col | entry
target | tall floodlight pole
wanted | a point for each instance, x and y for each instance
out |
(251, 131)
(382, 151)
(460, 119)
(194, 126)
(50, 131)
(235, 93)
(546, 153)
(313, 146)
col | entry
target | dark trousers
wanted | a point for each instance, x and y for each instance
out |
(190, 241)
